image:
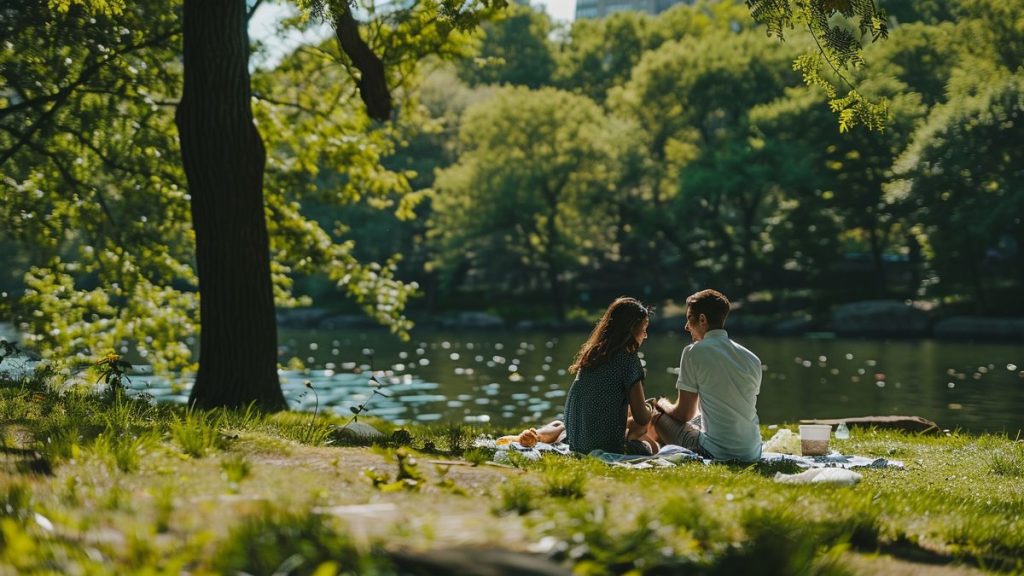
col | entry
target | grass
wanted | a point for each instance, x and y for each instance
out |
(95, 483)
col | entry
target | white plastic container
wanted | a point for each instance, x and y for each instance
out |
(814, 439)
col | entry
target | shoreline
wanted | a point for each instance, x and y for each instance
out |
(869, 319)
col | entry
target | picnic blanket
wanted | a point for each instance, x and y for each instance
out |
(501, 451)
(671, 455)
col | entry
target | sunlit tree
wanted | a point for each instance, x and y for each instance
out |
(526, 203)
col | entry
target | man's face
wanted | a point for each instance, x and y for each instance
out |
(696, 324)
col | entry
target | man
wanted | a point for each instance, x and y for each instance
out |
(715, 413)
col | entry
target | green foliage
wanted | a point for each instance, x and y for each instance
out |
(87, 139)
(603, 544)
(517, 495)
(301, 427)
(16, 501)
(122, 451)
(779, 543)
(163, 503)
(236, 468)
(196, 433)
(952, 181)
(114, 372)
(515, 49)
(563, 479)
(273, 541)
(408, 477)
(531, 197)
(830, 24)
(452, 438)
(1010, 463)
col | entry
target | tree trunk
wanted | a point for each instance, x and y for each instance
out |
(224, 157)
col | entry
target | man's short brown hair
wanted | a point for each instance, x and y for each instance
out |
(712, 304)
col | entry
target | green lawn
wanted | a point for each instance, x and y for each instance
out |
(95, 485)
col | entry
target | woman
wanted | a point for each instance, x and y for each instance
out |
(609, 384)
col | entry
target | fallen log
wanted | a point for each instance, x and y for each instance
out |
(908, 423)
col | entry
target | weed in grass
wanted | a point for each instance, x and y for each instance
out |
(301, 428)
(452, 439)
(122, 451)
(279, 542)
(686, 511)
(196, 433)
(599, 542)
(16, 501)
(779, 542)
(408, 476)
(447, 484)
(477, 456)
(60, 444)
(457, 437)
(563, 479)
(113, 371)
(517, 496)
(128, 414)
(855, 521)
(242, 419)
(115, 498)
(235, 469)
(376, 386)
(163, 507)
(19, 549)
(1009, 463)
(70, 495)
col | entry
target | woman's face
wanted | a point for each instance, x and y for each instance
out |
(641, 332)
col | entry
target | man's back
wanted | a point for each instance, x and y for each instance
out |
(727, 378)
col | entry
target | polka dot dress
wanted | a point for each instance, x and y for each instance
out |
(595, 409)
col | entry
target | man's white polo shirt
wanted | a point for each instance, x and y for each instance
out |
(727, 378)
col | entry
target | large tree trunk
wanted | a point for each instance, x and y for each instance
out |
(224, 158)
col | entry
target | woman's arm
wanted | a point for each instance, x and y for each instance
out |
(638, 407)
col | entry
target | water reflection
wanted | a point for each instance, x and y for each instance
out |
(512, 379)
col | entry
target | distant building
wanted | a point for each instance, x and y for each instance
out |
(602, 8)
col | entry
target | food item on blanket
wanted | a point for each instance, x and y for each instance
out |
(814, 439)
(813, 447)
(506, 440)
(783, 442)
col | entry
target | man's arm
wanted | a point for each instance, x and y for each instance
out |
(683, 409)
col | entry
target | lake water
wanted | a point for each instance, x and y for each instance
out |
(513, 378)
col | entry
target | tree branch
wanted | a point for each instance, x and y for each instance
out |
(372, 82)
(60, 97)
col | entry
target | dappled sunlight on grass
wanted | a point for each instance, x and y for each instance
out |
(119, 473)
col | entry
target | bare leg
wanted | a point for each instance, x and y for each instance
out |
(552, 432)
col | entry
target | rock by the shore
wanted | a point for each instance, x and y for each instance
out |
(879, 318)
(481, 320)
(980, 327)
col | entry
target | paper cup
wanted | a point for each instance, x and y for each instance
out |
(814, 439)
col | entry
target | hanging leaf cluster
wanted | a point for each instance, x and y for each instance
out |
(839, 28)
